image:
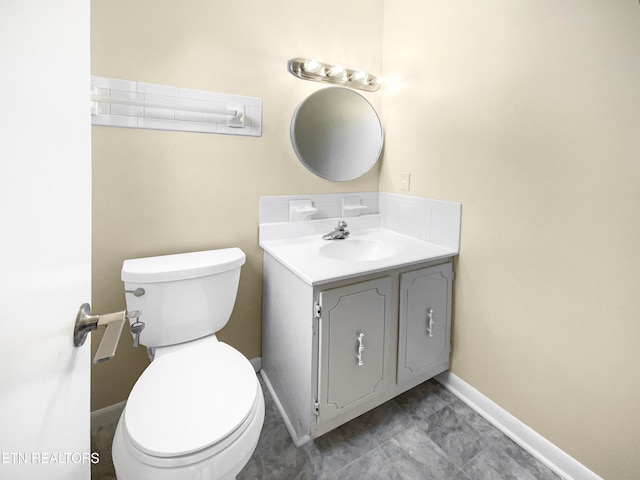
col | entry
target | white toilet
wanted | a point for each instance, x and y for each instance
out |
(196, 412)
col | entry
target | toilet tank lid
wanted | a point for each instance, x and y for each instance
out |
(181, 266)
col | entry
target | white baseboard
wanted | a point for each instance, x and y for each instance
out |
(298, 442)
(107, 415)
(542, 449)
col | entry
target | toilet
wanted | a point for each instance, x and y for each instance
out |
(196, 412)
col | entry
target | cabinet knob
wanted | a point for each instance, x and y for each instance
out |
(360, 349)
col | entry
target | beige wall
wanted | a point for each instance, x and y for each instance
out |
(167, 192)
(528, 112)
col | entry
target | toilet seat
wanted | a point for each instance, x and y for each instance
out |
(190, 403)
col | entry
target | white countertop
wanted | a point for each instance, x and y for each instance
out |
(296, 245)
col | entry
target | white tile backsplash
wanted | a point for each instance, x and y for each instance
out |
(156, 117)
(435, 221)
(440, 224)
(274, 209)
(406, 216)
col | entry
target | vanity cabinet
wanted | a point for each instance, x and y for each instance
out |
(333, 351)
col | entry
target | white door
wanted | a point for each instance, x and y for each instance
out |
(45, 238)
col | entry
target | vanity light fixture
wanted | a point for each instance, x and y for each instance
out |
(312, 69)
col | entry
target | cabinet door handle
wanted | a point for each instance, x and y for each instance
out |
(360, 349)
(430, 322)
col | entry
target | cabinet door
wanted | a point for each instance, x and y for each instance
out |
(354, 345)
(425, 321)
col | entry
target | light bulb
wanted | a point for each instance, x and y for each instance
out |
(336, 71)
(359, 76)
(311, 65)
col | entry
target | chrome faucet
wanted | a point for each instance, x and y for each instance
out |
(339, 233)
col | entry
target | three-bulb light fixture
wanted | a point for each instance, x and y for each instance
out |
(311, 69)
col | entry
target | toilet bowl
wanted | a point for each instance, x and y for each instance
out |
(196, 412)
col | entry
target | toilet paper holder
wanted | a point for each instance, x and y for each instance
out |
(87, 322)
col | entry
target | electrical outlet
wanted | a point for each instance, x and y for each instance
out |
(405, 178)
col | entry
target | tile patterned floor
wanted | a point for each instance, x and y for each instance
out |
(425, 433)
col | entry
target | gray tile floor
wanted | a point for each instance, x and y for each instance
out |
(425, 433)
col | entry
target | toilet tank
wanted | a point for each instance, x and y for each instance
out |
(186, 296)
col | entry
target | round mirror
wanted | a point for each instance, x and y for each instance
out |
(336, 134)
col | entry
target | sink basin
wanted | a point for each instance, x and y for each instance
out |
(356, 250)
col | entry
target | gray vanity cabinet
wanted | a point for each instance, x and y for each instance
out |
(424, 321)
(355, 322)
(333, 351)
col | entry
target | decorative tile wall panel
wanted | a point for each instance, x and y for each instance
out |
(131, 104)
